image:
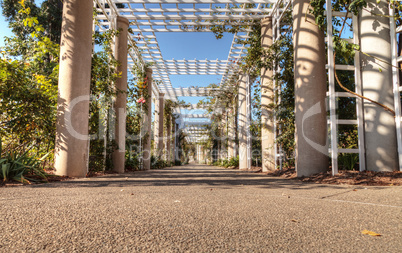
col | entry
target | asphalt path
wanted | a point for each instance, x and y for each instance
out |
(198, 208)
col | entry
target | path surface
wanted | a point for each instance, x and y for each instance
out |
(198, 209)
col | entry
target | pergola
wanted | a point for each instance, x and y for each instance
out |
(140, 22)
(150, 17)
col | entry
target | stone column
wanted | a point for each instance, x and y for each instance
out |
(242, 121)
(121, 51)
(310, 92)
(380, 129)
(198, 153)
(202, 155)
(267, 99)
(223, 153)
(158, 125)
(173, 146)
(231, 133)
(168, 140)
(177, 148)
(71, 150)
(148, 122)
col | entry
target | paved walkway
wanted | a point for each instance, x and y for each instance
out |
(198, 209)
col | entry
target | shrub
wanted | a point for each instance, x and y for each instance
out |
(158, 163)
(22, 167)
(232, 162)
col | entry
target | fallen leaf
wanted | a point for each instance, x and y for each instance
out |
(367, 232)
(294, 220)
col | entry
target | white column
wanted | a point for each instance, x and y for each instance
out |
(310, 92)
(168, 140)
(121, 51)
(267, 99)
(242, 121)
(158, 125)
(380, 130)
(71, 150)
(148, 121)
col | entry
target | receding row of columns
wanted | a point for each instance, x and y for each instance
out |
(72, 139)
(312, 144)
(72, 149)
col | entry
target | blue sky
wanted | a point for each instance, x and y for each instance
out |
(4, 30)
(178, 46)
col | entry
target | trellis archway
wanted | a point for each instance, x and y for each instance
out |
(148, 18)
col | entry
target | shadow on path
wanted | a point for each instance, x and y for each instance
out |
(188, 175)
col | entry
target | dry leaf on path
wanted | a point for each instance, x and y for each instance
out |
(367, 232)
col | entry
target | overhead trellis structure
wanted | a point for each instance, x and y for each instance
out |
(143, 20)
(149, 17)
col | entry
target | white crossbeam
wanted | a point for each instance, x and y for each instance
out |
(195, 116)
(189, 92)
(200, 123)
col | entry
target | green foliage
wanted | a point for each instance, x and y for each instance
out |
(28, 85)
(22, 15)
(348, 140)
(355, 6)
(103, 76)
(348, 161)
(158, 163)
(185, 147)
(232, 162)
(22, 167)
(317, 9)
(138, 87)
(282, 53)
(230, 26)
(133, 162)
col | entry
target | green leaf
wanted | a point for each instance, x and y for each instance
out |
(5, 168)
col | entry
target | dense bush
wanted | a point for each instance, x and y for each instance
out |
(232, 162)
(133, 163)
(22, 167)
(158, 163)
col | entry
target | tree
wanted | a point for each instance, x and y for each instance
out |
(28, 86)
(49, 16)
